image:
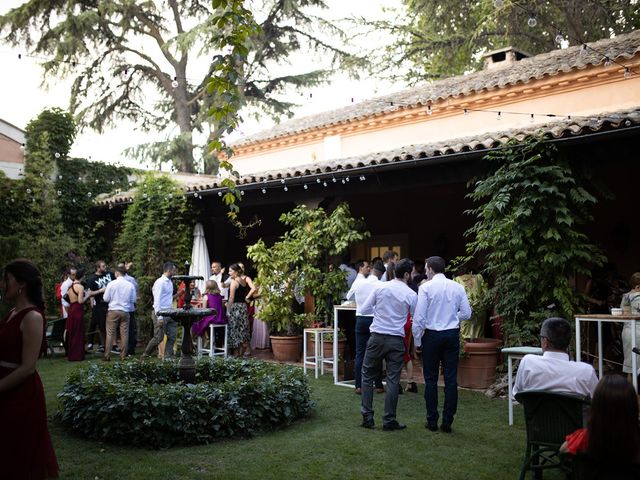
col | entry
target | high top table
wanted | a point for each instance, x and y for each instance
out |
(512, 354)
(337, 321)
(609, 318)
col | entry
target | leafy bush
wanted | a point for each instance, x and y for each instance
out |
(145, 403)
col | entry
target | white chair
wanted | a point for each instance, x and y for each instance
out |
(211, 348)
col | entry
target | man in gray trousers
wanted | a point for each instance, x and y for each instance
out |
(391, 303)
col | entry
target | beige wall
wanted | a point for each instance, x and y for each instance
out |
(11, 157)
(578, 93)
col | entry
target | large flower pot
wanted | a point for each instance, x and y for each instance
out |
(286, 349)
(477, 369)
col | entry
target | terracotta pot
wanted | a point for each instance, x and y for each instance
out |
(327, 348)
(286, 349)
(477, 370)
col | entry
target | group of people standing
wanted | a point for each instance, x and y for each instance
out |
(112, 296)
(232, 295)
(388, 313)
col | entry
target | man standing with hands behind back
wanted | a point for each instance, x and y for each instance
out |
(442, 305)
(391, 303)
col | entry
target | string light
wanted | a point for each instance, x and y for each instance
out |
(531, 118)
(532, 22)
(57, 155)
(559, 38)
(175, 83)
(286, 189)
(333, 179)
(499, 115)
(429, 111)
(264, 190)
(324, 184)
(627, 72)
(317, 180)
(220, 193)
(607, 62)
(305, 186)
(242, 193)
(282, 180)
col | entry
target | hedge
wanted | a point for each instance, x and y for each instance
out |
(144, 403)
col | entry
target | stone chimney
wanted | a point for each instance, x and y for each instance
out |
(502, 58)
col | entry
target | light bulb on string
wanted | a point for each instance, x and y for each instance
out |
(220, 193)
(627, 72)
(324, 184)
(607, 62)
(532, 22)
(57, 154)
(286, 189)
(347, 179)
(429, 111)
(318, 180)
(175, 83)
(333, 179)
(59, 177)
(531, 118)
(28, 190)
(59, 193)
(559, 38)
(305, 186)
(362, 178)
(466, 112)
(264, 190)
(343, 182)
(282, 180)
(242, 192)
(583, 49)
(89, 194)
(499, 116)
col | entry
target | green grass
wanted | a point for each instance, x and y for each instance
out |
(329, 444)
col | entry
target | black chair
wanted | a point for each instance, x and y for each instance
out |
(549, 418)
(55, 335)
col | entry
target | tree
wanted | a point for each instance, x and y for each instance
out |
(299, 263)
(116, 49)
(444, 38)
(533, 203)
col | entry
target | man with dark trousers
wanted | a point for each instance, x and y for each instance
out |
(391, 303)
(442, 305)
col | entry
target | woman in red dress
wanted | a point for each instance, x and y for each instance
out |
(75, 320)
(25, 443)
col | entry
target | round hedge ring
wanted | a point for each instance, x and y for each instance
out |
(144, 403)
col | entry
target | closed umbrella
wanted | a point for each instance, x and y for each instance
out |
(200, 257)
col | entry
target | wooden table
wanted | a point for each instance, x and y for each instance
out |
(611, 319)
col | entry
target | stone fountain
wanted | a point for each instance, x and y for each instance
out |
(186, 315)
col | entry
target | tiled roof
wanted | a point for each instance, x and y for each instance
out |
(557, 129)
(552, 63)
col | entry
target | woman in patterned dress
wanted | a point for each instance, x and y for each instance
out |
(238, 333)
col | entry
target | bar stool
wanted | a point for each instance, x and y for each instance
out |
(211, 348)
(317, 359)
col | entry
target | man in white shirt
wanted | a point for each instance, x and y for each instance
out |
(391, 304)
(364, 270)
(163, 298)
(360, 291)
(64, 288)
(553, 371)
(121, 297)
(442, 305)
(217, 274)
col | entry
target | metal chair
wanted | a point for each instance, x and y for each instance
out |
(55, 335)
(549, 418)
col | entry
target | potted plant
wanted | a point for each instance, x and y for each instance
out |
(298, 264)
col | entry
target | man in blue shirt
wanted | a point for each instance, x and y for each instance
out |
(391, 303)
(442, 304)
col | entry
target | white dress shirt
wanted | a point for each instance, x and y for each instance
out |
(64, 288)
(360, 291)
(391, 302)
(555, 372)
(121, 295)
(442, 305)
(224, 291)
(162, 293)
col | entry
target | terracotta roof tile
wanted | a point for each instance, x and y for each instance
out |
(552, 63)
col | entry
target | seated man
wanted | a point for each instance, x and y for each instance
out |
(553, 371)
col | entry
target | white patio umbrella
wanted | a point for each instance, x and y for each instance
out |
(200, 257)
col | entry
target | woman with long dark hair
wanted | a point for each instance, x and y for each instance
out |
(612, 436)
(75, 319)
(24, 439)
(238, 336)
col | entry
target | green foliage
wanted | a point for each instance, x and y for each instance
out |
(528, 227)
(443, 38)
(156, 228)
(145, 404)
(300, 262)
(46, 214)
(114, 50)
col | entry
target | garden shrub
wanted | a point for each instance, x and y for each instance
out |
(145, 403)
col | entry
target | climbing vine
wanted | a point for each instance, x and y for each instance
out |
(533, 203)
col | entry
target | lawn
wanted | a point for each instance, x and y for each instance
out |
(329, 444)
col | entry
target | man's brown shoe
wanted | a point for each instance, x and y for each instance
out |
(358, 391)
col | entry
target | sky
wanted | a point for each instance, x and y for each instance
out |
(23, 95)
